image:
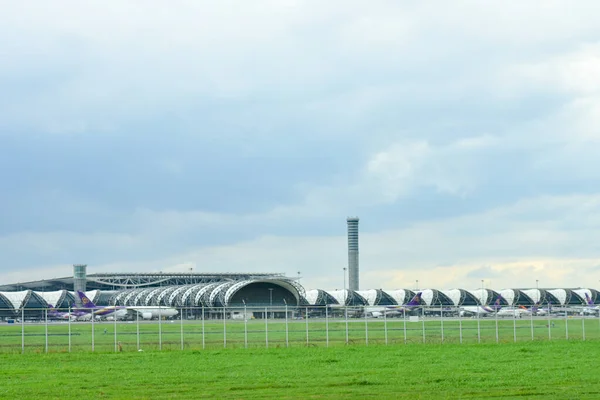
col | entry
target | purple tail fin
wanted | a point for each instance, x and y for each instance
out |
(497, 303)
(87, 303)
(415, 300)
(588, 300)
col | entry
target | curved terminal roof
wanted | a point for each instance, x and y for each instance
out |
(581, 293)
(262, 292)
(215, 294)
(563, 296)
(541, 296)
(377, 297)
(461, 297)
(125, 280)
(516, 297)
(348, 297)
(401, 296)
(371, 296)
(16, 299)
(58, 298)
(595, 295)
(485, 296)
(435, 297)
(319, 297)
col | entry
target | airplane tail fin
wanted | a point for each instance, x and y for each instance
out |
(498, 304)
(535, 307)
(588, 300)
(87, 303)
(415, 300)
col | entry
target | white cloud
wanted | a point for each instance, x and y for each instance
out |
(550, 238)
(421, 89)
(574, 72)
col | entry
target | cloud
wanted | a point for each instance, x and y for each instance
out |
(545, 238)
(464, 136)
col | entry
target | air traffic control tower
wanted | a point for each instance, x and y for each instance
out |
(79, 277)
(352, 253)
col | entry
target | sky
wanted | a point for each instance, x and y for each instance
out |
(235, 136)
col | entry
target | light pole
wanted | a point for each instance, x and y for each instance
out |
(298, 277)
(482, 294)
(417, 285)
(271, 301)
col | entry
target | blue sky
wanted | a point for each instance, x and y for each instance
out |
(237, 136)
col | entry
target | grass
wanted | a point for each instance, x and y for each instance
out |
(499, 360)
(534, 369)
(195, 335)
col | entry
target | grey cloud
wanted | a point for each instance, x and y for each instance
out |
(193, 127)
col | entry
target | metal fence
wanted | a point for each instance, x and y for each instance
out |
(254, 327)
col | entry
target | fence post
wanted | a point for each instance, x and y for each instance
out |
(385, 326)
(478, 326)
(496, 309)
(366, 330)
(567, 325)
(515, 329)
(583, 327)
(549, 328)
(266, 327)
(346, 312)
(69, 322)
(203, 333)
(181, 326)
(460, 333)
(245, 326)
(159, 328)
(224, 329)
(442, 321)
(423, 321)
(115, 326)
(306, 320)
(22, 329)
(286, 325)
(93, 329)
(404, 318)
(46, 323)
(531, 319)
(326, 327)
(137, 329)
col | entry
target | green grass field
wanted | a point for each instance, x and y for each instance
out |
(533, 369)
(214, 334)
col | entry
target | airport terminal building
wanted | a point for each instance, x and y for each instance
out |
(216, 291)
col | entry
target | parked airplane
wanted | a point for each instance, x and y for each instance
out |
(122, 312)
(396, 310)
(590, 308)
(73, 315)
(481, 310)
(518, 312)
